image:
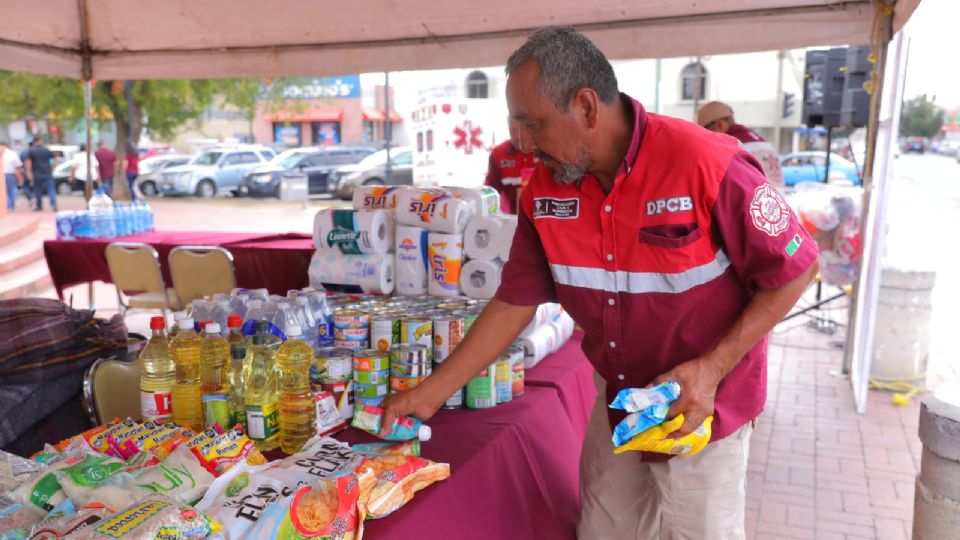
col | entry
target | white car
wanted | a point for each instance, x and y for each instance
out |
(214, 171)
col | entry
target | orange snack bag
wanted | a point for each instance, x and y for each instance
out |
(389, 482)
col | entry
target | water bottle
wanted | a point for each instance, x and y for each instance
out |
(270, 307)
(101, 210)
(200, 310)
(65, 226)
(83, 226)
(220, 311)
(238, 304)
(136, 220)
(260, 294)
(285, 319)
(308, 323)
(324, 317)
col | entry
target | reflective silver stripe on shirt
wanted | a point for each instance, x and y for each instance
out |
(640, 282)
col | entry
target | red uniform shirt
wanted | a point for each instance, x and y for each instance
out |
(744, 134)
(508, 172)
(657, 271)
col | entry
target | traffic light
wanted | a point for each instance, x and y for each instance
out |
(788, 104)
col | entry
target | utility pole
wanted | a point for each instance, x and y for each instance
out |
(698, 89)
(778, 113)
(387, 126)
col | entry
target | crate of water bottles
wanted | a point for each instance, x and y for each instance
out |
(105, 218)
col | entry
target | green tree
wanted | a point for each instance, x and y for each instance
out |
(921, 117)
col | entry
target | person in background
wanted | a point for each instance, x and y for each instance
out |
(39, 163)
(27, 185)
(131, 165)
(108, 165)
(717, 116)
(509, 169)
(78, 166)
(12, 173)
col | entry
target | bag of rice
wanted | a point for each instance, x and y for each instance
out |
(15, 469)
(96, 478)
(42, 491)
(16, 516)
(155, 517)
(323, 509)
(395, 479)
(226, 450)
(55, 527)
(180, 477)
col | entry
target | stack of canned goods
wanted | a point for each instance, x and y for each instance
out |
(409, 366)
(332, 371)
(371, 376)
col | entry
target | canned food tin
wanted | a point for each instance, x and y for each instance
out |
(375, 402)
(504, 378)
(409, 360)
(371, 360)
(372, 377)
(350, 318)
(402, 384)
(384, 332)
(343, 394)
(370, 390)
(447, 334)
(469, 318)
(518, 378)
(481, 390)
(352, 345)
(332, 364)
(451, 306)
(418, 330)
(455, 401)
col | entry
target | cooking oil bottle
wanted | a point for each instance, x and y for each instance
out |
(214, 359)
(185, 351)
(297, 408)
(261, 395)
(238, 353)
(157, 376)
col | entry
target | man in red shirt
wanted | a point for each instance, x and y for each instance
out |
(108, 165)
(717, 116)
(668, 247)
(509, 170)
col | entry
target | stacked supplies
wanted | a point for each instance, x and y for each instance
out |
(486, 243)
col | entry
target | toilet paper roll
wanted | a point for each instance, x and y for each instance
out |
(445, 258)
(481, 239)
(372, 273)
(353, 232)
(508, 226)
(433, 209)
(563, 325)
(538, 345)
(480, 279)
(411, 266)
(485, 199)
(376, 197)
(544, 314)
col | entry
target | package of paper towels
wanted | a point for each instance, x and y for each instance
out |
(411, 260)
(508, 226)
(372, 274)
(433, 209)
(545, 314)
(564, 326)
(480, 279)
(353, 231)
(485, 199)
(445, 258)
(538, 344)
(376, 197)
(481, 239)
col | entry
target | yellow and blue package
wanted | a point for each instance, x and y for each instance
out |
(638, 422)
(634, 400)
(655, 439)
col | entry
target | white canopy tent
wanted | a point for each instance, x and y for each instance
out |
(195, 39)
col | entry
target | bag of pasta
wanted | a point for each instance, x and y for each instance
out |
(154, 517)
(324, 509)
(655, 439)
(389, 482)
(224, 451)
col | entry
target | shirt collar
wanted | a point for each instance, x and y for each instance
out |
(639, 127)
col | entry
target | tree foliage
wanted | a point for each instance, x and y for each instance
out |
(921, 117)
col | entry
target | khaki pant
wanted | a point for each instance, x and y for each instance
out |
(698, 497)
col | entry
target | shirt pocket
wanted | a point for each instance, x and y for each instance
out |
(672, 235)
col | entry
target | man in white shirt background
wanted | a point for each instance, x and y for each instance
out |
(78, 168)
(12, 173)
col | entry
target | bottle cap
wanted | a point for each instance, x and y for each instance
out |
(234, 321)
(179, 315)
(158, 323)
(424, 433)
(294, 331)
(185, 323)
(212, 328)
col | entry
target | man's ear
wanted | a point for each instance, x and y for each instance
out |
(586, 103)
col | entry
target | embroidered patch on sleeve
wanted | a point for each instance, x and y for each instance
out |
(794, 245)
(769, 211)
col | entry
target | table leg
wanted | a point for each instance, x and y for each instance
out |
(91, 301)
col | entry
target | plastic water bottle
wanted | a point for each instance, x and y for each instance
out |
(260, 294)
(101, 215)
(324, 317)
(285, 319)
(307, 321)
(200, 310)
(297, 407)
(238, 304)
(65, 225)
(220, 311)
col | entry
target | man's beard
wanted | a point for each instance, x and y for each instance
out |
(569, 173)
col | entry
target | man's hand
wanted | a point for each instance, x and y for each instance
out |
(698, 380)
(419, 402)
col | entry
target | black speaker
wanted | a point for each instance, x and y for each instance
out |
(855, 103)
(811, 112)
(834, 78)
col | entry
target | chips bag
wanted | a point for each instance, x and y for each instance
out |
(655, 439)
(324, 509)
(638, 422)
(226, 450)
(407, 448)
(637, 399)
(154, 517)
(389, 482)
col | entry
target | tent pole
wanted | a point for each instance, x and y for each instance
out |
(87, 105)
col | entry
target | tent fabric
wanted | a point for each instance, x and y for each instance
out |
(144, 39)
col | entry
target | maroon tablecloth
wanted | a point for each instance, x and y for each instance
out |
(278, 262)
(569, 372)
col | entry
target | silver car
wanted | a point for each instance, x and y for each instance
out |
(372, 171)
(214, 171)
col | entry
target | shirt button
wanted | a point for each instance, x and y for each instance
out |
(611, 301)
(613, 344)
(608, 208)
(621, 376)
(609, 256)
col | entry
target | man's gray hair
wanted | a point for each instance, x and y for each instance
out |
(568, 61)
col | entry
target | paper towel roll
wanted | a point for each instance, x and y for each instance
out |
(376, 197)
(480, 279)
(445, 257)
(411, 260)
(508, 226)
(485, 199)
(332, 270)
(433, 209)
(481, 239)
(352, 231)
(538, 345)
(563, 325)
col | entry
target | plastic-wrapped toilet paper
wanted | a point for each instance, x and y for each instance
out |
(445, 258)
(376, 197)
(353, 231)
(481, 239)
(538, 344)
(480, 279)
(508, 226)
(411, 260)
(372, 274)
(485, 199)
(433, 209)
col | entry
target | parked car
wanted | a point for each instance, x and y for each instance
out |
(151, 150)
(810, 167)
(372, 171)
(317, 163)
(914, 145)
(151, 169)
(214, 171)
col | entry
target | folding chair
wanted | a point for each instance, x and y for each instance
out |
(112, 390)
(201, 271)
(135, 271)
